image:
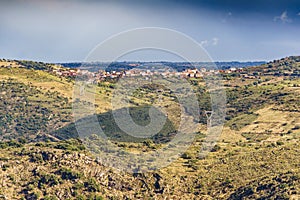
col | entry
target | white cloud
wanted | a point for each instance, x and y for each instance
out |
(204, 43)
(283, 18)
(213, 42)
(298, 14)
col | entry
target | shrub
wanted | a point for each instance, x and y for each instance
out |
(36, 157)
(216, 148)
(14, 143)
(3, 145)
(80, 197)
(95, 197)
(48, 179)
(279, 143)
(186, 155)
(192, 164)
(5, 167)
(50, 198)
(92, 185)
(297, 127)
(70, 145)
(68, 174)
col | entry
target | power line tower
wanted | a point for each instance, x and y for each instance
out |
(208, 116)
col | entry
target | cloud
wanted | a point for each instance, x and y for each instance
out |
(204, 43)
(213, 42)
(298, 14)
(283, 18)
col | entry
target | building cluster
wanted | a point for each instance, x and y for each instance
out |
(103, 75)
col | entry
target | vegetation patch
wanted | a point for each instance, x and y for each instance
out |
(241, 121)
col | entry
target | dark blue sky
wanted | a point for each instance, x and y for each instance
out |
(62, 31)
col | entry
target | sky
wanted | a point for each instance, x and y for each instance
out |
(230, 30)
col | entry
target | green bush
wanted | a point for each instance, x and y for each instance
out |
(186, 155)
(279, 143)
(80, 197)
(49, 179)
(5, 167)
(216, 148)
(68, 174)
(36, 157)
(92, 185)
(50, 198)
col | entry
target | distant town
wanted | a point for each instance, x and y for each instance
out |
(151, 69)
(96, 72)
(102, 75)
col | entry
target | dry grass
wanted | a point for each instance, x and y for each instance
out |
(272, 121)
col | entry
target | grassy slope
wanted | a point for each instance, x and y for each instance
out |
(232, 170)
(35, 102)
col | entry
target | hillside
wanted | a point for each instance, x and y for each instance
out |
(289, 66)
(256, 157)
